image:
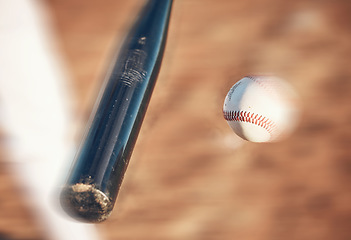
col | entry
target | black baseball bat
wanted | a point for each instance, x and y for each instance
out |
(90, 192)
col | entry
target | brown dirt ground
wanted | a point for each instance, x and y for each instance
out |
(190, 177)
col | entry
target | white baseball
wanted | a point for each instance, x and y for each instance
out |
(261, 108)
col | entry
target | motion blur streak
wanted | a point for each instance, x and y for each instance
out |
(35, 114)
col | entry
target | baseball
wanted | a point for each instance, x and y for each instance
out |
(261, 108)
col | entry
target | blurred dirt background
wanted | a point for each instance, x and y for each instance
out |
(190, 177)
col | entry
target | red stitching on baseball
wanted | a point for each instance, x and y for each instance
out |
(266, 83)
(243, 116)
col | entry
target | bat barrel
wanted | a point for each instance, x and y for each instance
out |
(97, 173)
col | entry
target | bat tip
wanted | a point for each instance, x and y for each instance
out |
(86, 203)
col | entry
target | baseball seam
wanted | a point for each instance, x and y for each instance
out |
(266, 84)
(256, 119)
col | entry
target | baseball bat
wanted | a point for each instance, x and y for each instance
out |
(96, 175)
